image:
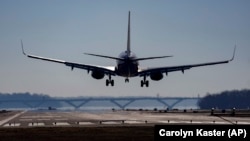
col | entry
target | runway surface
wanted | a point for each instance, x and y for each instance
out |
(54, 118)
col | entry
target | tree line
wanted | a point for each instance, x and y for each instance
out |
(239, 99)
(38, 98)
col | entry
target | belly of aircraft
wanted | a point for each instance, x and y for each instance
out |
(127, 70)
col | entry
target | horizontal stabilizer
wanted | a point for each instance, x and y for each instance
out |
(149, 58)
(116, 58)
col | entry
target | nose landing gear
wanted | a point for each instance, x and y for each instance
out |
(144, 82)
(126, 80)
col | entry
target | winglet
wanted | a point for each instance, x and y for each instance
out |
(233, 54)
(22, 48)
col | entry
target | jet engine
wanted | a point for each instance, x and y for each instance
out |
(97, 74)
(156, 76)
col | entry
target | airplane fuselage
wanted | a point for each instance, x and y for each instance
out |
(127, 67)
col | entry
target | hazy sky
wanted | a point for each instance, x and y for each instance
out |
(194, 31)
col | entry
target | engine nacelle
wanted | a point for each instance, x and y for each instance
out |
(156, 76)
(97, 74)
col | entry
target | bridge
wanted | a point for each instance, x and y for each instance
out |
(121, 102)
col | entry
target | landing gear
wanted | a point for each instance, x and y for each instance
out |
(126, 80)
(109, 81)
(144, 82)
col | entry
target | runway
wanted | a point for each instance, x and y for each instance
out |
(122, 125)
(54, 118)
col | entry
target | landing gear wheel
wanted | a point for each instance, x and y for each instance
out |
(126, 80)
(144, 82)
(107, 82)
(110, 81)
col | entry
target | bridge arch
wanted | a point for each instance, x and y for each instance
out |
(120, 102)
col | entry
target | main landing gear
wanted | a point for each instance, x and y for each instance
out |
(144, 82)
(109, 81)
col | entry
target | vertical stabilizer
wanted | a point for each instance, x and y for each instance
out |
(128, 42)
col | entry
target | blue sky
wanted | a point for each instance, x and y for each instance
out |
(193, 31)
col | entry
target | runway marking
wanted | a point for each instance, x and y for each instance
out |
(10, 118)
(25, 119)
(86, 123)
(221, 122)
(61, 119)
(242, 123)
(36, 124)
(194, 122)
(134, 122)
(61, 123)
(43, 119)
(12, 125)
(110, 122)
(37, 116)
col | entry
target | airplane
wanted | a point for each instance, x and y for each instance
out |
(127, 65)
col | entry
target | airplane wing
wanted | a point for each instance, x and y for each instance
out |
(148, 71)
(105, 70)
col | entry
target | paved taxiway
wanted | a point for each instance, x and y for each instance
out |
(111, 118)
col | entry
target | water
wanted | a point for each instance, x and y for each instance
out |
(100, 105)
